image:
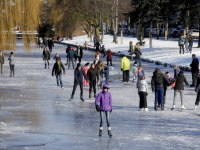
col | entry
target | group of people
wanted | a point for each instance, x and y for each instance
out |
(44, 42)
(183, 41)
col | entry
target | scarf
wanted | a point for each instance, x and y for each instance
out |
(59, 67)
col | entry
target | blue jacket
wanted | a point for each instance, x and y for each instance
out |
(106, 72)
(78, 75)
(140, 74)
(176, 71)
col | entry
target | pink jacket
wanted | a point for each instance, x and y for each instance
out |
(85, 68)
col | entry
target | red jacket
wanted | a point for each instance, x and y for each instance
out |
(109, 55)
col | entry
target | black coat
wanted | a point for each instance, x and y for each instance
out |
(81, 52)
(92, 74)
(195, 65)
(198, 82)
(98, 46)
(68, 49)
(106, 72)
(158, 80)
(180, 79)
(56, 58)
(56, 70)
(78, 75)
(137, 53)
(50, 44)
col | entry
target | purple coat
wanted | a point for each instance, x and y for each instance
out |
(105, 101)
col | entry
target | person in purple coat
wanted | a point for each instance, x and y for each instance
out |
(105, 100)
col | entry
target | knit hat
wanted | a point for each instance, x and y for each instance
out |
(105, 86)
(78, 65)
(11, 53)
(135, 65)
(71, 48)
(97, 57)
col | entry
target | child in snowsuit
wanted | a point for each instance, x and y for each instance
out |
(105, 100)
(106, 72)
(86, 68)
(197, 90)
(134, 68)
(143, 92)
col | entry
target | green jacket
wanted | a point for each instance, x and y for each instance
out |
(46, 55)
(125, 64)
(71, 54)
(186, 38)
(181, 41)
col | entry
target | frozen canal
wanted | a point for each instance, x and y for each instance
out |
(35, 115)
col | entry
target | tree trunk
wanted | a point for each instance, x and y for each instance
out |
(116, 24)
(121, 37)
(158, 30)
(90, 33)
(150, 36)
(187, 20)
(166, 30)
(199, 39)
(102, 32)
(129, 26)
(107, 24)
(112, 26)
(134, 29)
(97, 33)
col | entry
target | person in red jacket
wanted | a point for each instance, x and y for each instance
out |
(109, 56)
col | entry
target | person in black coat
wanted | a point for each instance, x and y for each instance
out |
(106, 73)
(78, 79)
(57, 70)
(50, 44)
(92, 74)
(197, 90)
(194, 69)
(79, 53)
(179, 88)
(157, 85)
(67, 51)
(97, 45)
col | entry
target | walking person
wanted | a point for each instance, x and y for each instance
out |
(56, 57)
(98, 46)
(106, 73)
(194, 69)
(11, 59)
(71, 55)
(105, 100)
(92, 75)
(157, 85)
(186, 42)
(190, 43)
(86, 45)
(78, 80)
(181, 44)
(142, 92)
(134, 68)
(176, 71)
(197, 90)
(139, 73)
(46, 57)
(67, 52)
(125, 67)
(179, 88)
(50, 44)
(109, 56)
(79, 53)
(100, 66)
(57, 70)
(131, 49)
(138, 54)
(1, 60)
(86, 68)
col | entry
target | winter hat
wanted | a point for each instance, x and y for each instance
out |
(135, 65)
(71, 48)
(11, 53)
(78, 65)
(105, 86)
(97, 57)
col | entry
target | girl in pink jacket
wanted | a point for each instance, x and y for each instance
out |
(86, 68)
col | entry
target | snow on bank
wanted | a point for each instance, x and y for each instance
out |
(162, 51)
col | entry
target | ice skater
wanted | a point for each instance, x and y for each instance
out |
(57, 70)
(106, 73)
(86, 68)
(56, 57)
(190, 43)
(1, 60)
(46, 57)
(181, 44)
(142, 92)
(134, 68)
(197, 90)
(11, 59)
(105, 100)
(125, 67)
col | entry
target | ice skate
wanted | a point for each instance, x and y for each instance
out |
(58, 87)
(146, 109)
(183, 108)
(195, 107)
(90, 96)
(62, 88)
(71, 98)
(95, 95)
(109, 132)
(141, 109)
(173, 107)
(100, 131)
(156, 107)
(162, 107)
(82, 98)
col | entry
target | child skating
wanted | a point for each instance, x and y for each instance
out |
(105, 100)
(134, 68)
(86, 68)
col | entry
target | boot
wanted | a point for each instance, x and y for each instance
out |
(100, 131)
(162, 107)
(89, 96)
(183, 108)
(71, 98)
(156, 107)
(109, 132)
(195, 107)
(95, 95)
(82, 98)
(173, 107)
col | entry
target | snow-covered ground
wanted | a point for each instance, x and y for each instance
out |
(35, 115)
(163, 51)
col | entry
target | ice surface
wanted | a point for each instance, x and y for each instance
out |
(38, 116)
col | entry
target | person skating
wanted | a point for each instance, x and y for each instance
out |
(79, 53)
(94, 40)
(71, 55)
(67, 52)
(50, 44)
(92, 75)
(98, 46)
(125, 67)
(181, 44)
(190, 43)
(143, 92)
(105, 100)
(56, 57)
(86, 67)
(78, 80)
(176, 71)
(109, 57)
(197, 90)
(179, 88)
(86, 45)
(1, 60)
(139, 73)
(138, 54)
(96, 54)
(131, 49)
(11, 59)
(157, 85)
(134, 68)
(186, 42)
(194, 69)
(46, 57)
(106, 73)
(100, 66)
(57, 70)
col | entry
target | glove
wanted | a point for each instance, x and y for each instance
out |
(121, 69)
(64, 72)
(97, 108)
(153, 90)
(110, 110)
(147, 94)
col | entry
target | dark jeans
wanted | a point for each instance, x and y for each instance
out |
(143, 99)
(107, 79)
(46, 62)
(81, 88)
(1, 65)
(165, 90)
(101, 78)
(92, 85)
(107, 113)
(71, 60)
(159, 93)
(12, 70)
(59, 78)
(198, 99)
(126, 76)
(79, 59)
(50, 49)
(108, 62)
(194, 78)
(182, 46)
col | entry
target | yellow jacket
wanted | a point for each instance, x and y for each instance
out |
(125, 64)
